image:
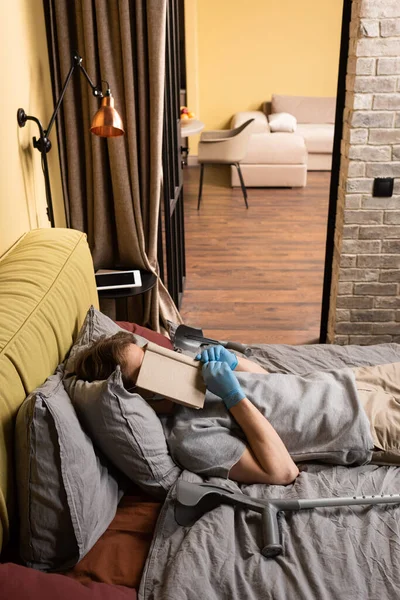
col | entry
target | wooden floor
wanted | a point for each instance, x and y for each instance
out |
(254, 275)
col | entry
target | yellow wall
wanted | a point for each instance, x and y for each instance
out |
(26, 84)
(239, 53)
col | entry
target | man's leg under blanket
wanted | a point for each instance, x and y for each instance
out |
(379, 392)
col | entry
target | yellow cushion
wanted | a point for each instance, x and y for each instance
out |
(47, 285)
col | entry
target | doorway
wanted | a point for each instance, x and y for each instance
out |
(261, 275)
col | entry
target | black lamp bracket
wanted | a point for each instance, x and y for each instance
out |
(43, 144)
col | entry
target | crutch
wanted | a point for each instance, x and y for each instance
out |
(194, 499)
(192, 339)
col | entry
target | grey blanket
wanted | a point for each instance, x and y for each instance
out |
(346, 553)
(318, 417)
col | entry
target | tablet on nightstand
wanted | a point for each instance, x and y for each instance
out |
(113, 280)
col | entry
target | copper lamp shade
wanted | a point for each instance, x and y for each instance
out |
(107, 122)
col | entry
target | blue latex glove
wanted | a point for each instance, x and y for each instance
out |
(218, 353)
(222, 382)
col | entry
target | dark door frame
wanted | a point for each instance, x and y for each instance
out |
(176, 263)
(171, 231)
(334, 184)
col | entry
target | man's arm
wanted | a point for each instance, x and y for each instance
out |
(269, 454)
(268, 461)
(244, 364)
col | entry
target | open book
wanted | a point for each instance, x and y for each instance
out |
(172, 375)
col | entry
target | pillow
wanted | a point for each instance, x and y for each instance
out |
(127, 430)
(148, 334)
(20, 583)
(67, 496)
(282, 122)
(95, 325)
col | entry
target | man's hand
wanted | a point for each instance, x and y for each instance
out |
(220, 380)
(218, 353)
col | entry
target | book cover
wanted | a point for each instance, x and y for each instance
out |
(173, 375)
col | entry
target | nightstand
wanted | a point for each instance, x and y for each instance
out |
(148, 282)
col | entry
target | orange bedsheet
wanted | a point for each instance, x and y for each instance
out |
(118, 557)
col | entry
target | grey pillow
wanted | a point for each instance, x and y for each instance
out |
(67, 495)
(95, 325)
(127, 430)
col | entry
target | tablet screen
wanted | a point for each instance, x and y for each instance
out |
(122, 279)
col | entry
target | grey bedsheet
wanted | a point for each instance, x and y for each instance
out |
(346, 553)
(281, 358)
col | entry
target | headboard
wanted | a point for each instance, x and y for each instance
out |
(47, 285)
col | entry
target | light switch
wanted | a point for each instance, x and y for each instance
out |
(383, 187)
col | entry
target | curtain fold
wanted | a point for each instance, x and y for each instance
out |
(112, 187)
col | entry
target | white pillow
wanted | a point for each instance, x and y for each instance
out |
(282, 122)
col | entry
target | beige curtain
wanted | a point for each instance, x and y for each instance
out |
(112, 186)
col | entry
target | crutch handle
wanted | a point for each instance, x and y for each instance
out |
(234, 346)
(271, 537)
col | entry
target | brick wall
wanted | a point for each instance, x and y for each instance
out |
(365, 292)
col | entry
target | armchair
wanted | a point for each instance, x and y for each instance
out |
(224, 147)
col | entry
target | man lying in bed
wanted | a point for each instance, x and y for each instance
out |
(267, 422)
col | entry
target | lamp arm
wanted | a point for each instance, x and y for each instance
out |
(43, 144)
(96, 91)
(77, 62)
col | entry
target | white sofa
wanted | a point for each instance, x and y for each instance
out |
(282, 159)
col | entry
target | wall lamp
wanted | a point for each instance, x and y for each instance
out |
(106, 123)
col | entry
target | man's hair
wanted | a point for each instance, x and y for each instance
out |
(101, 359)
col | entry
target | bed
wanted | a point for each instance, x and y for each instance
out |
(134, 547)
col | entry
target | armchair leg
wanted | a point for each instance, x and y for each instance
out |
(201, 184)
(237, 165)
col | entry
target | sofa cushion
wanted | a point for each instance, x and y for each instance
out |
(40, 315)
(67, 496)
(318, 138)
(276, 148)
(306, 109)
